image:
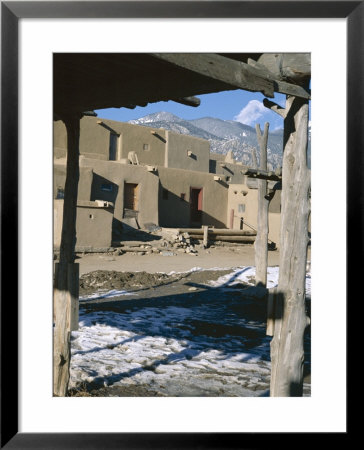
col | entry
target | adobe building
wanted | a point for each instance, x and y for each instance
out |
(131, 175)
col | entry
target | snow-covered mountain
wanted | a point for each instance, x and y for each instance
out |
(224, 135)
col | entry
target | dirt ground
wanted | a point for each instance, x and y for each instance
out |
(217, 256)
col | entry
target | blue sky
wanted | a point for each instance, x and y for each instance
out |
(243, 106)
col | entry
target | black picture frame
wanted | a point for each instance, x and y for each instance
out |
(11, 12)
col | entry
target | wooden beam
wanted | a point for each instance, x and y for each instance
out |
(261, 174)
(234, 73)
(104, 125)
(216, 231)
(280, 86)
(225, 238)
(274, 107)
(188, 101)
(293, 67)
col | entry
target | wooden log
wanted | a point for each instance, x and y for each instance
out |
(246, 239)
(288, 66)
(281, 86)
(73, 292)
(61, 332)
(231, 72)
(254, 161)
(205, 234)
(261, 242)
(274, 107)
(73, 282)
(214, 231)
(232, 232)
(287, 352)
(270, 313)
(134, 249)
(189, 101)
(261, 174)
(62, 286)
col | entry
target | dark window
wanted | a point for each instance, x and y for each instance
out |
(165, 194)
(183, 197)
(60, 193)
(113, 146)
(106, 187)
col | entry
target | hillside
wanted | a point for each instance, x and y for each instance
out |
(223, 135)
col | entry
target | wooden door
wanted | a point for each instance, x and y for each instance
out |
(196, 206)
(131, 196)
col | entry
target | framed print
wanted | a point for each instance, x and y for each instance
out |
(31, 34)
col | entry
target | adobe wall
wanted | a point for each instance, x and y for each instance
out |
(148, 143)
(95, 140)
(227, 167)
(116, 174)
(59, 140)
(175, 212)
(187, 152)
(93, 225)
(85, 181)
(246, 207)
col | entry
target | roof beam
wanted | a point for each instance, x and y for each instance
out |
(188, 101)
(262, 174)
(251, 77)
(280, 86)
(234, 73)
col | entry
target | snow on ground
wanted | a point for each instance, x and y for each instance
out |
(247, 275)
(104, 294)
(190, 348)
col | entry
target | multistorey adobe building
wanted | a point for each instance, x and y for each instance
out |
(132, 175)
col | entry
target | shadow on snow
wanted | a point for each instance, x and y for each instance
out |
(230, 320)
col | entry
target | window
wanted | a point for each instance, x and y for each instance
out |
(106, 187)
(60, 193)
(113, 146)
(145, 146)
(241, 208)
(183, 197)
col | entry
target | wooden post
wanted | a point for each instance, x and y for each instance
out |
(73, 282)
(205, 235)
(261, 242)
(63, 290)
(287, 353)
(231, 219)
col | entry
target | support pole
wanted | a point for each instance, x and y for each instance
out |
(205, 235)
(64, 282)
(261, 242)
(290, 321)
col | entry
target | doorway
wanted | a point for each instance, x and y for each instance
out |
(130, 197)
(196, 206)
(113, 146)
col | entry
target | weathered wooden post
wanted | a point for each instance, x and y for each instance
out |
(290, 321)
(205, 235)
(66, 270)
(261, 241)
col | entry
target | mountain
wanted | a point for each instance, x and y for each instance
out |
(223, 135)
